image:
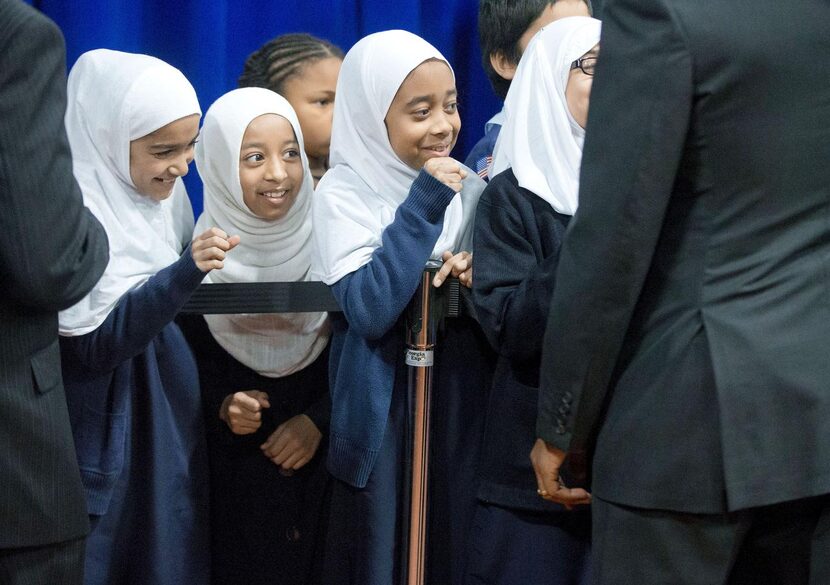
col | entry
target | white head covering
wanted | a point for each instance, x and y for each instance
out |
(273, 345)
(540, 140)
(358, 196)
(114, 98)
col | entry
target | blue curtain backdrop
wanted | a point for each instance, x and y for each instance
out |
(209, 40)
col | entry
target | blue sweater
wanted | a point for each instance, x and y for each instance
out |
(99, 371)
(133, 394)
(366, 344)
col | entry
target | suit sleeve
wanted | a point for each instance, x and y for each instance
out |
(52, 249)
(639, 117)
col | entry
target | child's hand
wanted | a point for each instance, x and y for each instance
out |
(460, 265)
(209, 249)
(242, 411)
(294, 443)
(446, 170)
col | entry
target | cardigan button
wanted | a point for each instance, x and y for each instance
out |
(292, 534)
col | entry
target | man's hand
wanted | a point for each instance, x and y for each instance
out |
(547, 460)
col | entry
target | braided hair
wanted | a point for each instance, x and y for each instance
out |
(283, 57)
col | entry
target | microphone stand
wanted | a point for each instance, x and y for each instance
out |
(425, 314)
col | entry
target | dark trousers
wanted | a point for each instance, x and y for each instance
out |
(781, 544)
(55, 564)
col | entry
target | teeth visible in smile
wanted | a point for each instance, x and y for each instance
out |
(274, 194)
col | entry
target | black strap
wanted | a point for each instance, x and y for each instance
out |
(261, 297)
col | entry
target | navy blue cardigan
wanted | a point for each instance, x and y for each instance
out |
(517, 239)
(366, 344)
(102, 370)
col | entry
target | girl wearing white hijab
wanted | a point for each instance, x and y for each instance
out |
(520, 222)
(265, 376)
(131, 381)
(392, 200)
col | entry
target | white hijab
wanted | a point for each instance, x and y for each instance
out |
(273, 345)
(114, 98)
(540, 140)
(358, 196)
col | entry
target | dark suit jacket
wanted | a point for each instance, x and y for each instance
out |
(690, 326)
(52, 251)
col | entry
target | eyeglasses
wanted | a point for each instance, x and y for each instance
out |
(586, 64)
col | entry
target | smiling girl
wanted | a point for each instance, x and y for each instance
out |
(264, 377)
(303, 69)
(131, 381)
(392, 200)
(520, 224)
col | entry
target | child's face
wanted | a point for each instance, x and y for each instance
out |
(158, 159)
(270, 167)
(559, 9)
(311, 94)
(423, 121)
(578, 91)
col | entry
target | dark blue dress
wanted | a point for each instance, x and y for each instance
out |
(517, 537)
(267, 527)
(133, 395)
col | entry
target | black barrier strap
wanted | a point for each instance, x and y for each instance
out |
(261, 297)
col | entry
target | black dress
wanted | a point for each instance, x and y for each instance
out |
(267, 526)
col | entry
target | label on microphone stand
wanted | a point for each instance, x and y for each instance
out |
(419, 358)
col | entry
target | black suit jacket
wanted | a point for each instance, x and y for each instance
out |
(52, 251)
(689, 334)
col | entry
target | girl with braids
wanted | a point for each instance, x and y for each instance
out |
(304, 70)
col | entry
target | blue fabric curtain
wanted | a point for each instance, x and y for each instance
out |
(209, 40)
